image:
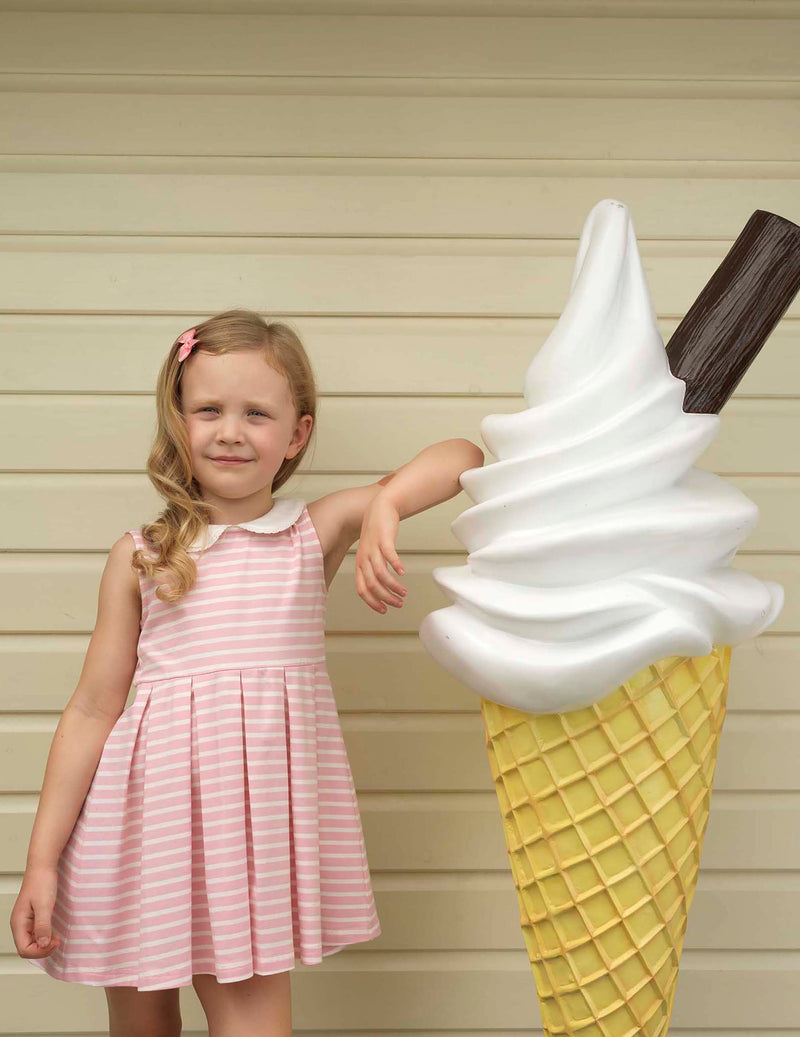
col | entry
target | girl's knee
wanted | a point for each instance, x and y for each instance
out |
(259, 1006)
(143, 1013)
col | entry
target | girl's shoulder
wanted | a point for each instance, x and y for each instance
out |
(136, 540)
(133, 540)
(120, 558)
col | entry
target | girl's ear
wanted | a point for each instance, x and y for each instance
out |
(304, 426)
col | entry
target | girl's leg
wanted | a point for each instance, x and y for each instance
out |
(260, 1006)
(143, 1013)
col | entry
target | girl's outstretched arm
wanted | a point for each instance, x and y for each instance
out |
(432, 477)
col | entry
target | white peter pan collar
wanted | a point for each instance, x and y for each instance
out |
(283, 513)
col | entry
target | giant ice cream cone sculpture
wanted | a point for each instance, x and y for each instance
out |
(595, 617)
(604, 811)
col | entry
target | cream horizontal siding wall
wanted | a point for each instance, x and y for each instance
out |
(406, 183)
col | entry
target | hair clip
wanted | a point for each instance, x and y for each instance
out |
(188, 342)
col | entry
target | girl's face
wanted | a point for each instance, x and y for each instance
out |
(236, 405)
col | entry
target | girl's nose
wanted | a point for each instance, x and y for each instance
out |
(229, 430)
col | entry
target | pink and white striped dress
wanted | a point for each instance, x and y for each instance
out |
(221, 832)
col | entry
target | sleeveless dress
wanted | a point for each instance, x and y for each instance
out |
(221, 832)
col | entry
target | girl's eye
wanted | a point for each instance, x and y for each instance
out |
(252, 411)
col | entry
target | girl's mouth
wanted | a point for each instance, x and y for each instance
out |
(223, 460)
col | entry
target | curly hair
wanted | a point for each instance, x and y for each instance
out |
(169, 468)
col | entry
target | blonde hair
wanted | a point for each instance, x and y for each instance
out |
(169, 469)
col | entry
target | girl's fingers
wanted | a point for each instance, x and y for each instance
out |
(377, 590)
(31, 949)
(365, 590)
(393, 558)
(386, 590)
(390, 596)
(390, 582)
(35, 951)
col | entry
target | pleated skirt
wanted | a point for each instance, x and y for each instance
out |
(221, 834)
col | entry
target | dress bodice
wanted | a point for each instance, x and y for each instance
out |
(259, 600)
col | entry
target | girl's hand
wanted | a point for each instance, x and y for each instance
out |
(31, 914)
(374, 583)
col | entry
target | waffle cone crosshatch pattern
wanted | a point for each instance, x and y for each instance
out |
(604, 812)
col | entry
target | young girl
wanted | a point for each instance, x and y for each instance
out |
(209, 833)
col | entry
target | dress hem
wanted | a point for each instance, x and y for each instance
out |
(38, 964)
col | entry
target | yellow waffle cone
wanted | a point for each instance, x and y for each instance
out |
(604, 810)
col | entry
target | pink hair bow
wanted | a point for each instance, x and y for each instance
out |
(188, 342)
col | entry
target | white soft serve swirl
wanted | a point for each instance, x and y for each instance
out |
(595, 548)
